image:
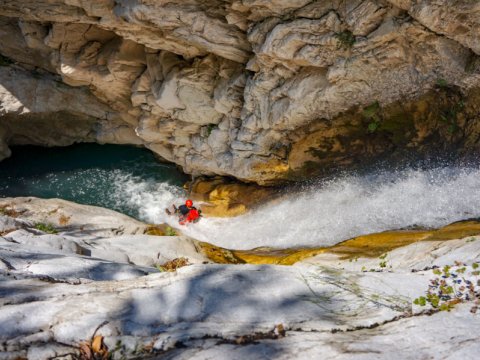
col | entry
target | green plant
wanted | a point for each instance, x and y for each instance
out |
(46, 228)
(442, 83)
(452, 285)
(383, 263)
(346, 39)
(170, 232)
(449, 116)
(371, 113)
(210, 128)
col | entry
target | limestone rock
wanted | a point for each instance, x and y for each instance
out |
(44, 111)
(401, 339)
(4, 150)
(253, 89)
(68, 216)
(224, 199)
(303, 42)
(92, 279)
(463, 19)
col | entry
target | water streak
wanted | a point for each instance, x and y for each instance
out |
(327, 212)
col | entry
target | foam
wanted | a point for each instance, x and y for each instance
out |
(327, 212)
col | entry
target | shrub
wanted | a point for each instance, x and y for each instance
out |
(346, 39)
(442, 83)
(452, 285)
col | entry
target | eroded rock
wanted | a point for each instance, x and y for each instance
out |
(226, 199)
(237, 88)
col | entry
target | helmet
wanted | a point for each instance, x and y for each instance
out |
(189, 203)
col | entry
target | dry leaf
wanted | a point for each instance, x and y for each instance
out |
(85, 351)
(279, 330)
(63, 220)
(174, 264)
(97, 344)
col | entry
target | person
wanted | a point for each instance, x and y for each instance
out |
(186, 213)
(193, 215)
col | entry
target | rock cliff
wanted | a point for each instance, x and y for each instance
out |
(261, 90)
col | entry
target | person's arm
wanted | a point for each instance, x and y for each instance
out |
(183, 209)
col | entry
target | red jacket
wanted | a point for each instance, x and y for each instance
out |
(192, 215)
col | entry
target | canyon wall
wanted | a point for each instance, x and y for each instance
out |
(264, 91)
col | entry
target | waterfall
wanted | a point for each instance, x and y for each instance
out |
(326, 212)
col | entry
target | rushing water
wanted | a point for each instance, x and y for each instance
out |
(89, 174)
(329, 212)
(130, 180)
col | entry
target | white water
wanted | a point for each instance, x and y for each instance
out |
(326, 213)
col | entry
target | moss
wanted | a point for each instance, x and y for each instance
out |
(371, 111)
(209, 128)
(161, 230)
(346, 39)
(46, 228)
(442, 122)
(442, 83)
(400, 128)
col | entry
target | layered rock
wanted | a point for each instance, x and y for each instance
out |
(263, 91)
(223, 198)
(91, 280)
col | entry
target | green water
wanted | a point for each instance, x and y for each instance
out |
(103, 175)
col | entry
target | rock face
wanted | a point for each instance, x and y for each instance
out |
(260, 90)
(223, 198)
(59, 291)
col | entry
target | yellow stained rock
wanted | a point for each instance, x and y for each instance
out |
(200, 188)
(223, 210)
(227, 199)
(457, 230)
(217, 254)
(271, 169)
(372, 245)
(161, 230)
(276, 256)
